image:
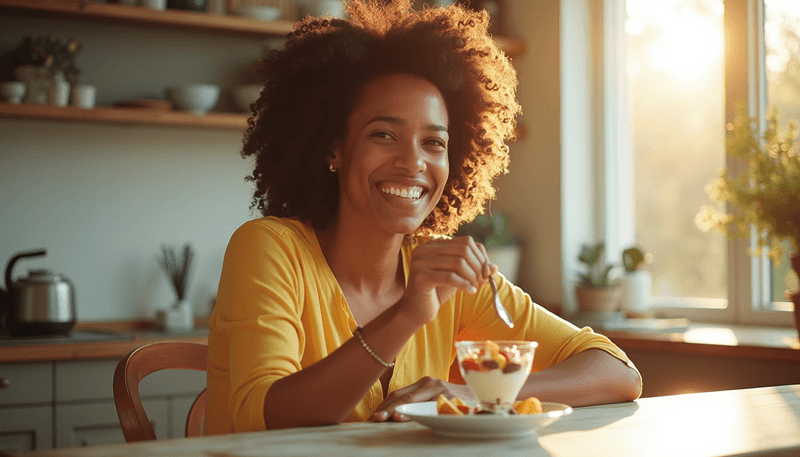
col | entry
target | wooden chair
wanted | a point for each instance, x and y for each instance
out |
(139, 363)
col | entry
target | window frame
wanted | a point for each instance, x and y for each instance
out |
(745, 79)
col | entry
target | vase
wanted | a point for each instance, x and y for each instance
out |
(58, 91)
(177, 318)
(36, 82)
(636, 293)
(794, 295)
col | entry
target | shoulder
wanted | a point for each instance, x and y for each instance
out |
(273, 228)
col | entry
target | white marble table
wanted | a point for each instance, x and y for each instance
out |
(754, 422)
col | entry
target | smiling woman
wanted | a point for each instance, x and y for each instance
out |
(374, 138)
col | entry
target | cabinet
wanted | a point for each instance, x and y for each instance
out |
(202, 23)
(71, 403)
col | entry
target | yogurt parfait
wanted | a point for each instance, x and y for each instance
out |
(495, 370)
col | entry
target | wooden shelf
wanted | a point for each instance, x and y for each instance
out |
(145, 17)
(174, 19)
(136, 116)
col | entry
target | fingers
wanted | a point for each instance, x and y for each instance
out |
(425, 389)
(458, 262)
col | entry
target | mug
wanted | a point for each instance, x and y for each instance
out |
(83, 96)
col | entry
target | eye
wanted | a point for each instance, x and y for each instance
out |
(437, 142)
(382, 134)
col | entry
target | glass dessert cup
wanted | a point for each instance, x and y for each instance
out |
(495, 371)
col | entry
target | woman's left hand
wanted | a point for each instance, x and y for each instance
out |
(426, 389)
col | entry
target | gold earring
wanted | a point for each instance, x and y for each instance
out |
(332, 168)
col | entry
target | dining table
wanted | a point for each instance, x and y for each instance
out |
(763, 421)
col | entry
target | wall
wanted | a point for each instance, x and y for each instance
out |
(531, 192)
(103, 198)
(665, 373)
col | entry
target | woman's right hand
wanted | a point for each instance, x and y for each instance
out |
(440, 267)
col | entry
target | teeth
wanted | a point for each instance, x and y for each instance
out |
(412, 193)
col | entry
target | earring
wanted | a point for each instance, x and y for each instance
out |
(332, 168)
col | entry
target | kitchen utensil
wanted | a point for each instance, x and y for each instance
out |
(501, 310)
(41, 304)
(197, 99)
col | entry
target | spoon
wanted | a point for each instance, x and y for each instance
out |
(501, 310)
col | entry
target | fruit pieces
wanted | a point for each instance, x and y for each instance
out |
(491, 358)
(530, 405)
(457, 407)
(445, 406)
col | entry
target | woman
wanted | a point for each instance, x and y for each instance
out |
(372, 139)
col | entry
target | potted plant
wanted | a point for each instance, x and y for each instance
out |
(179, 316)
(597, 291)
(47, 66)
(502, 246)
(765, 195)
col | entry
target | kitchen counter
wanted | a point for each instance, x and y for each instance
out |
(104, 340)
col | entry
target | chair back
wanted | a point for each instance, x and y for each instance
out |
(146, 359)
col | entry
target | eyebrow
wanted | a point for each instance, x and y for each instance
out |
(398, 121)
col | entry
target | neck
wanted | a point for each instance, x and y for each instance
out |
(365, 260)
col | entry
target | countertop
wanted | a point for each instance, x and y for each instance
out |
(95, 340)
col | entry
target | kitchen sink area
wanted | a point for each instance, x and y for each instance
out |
(78, 336)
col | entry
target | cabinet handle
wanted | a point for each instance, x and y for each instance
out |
(4, 382)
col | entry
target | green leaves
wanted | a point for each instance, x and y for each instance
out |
(597, 273)
(766, 194)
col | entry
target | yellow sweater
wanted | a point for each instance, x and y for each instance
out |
(279, 309)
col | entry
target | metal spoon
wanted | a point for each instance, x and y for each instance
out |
(501, 310)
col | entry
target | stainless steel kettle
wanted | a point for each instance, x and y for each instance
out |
(41, 304)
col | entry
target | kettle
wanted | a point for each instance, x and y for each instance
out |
(41, 304)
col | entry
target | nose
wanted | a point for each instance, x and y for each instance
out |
(411, 158)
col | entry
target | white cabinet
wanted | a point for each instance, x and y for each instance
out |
(25, 428)
(71, 403)
(91, 423)
(26, 408)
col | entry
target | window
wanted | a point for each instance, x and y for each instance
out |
(686, 64)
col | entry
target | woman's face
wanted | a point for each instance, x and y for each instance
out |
(393, 165)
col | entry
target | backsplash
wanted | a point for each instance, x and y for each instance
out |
(102, 199)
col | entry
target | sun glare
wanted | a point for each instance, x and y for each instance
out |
(685, 42)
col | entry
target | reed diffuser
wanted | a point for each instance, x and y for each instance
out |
(177, 266)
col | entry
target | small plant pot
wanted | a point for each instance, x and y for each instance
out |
(598, 299)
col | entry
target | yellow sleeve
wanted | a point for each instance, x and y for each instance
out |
(558, 339)
(260, 318)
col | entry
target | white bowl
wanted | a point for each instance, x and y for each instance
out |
(318, 8)
(195, 98)
(264, 13)
(13, 91)
(246, 94)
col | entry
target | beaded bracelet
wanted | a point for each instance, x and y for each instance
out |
(357, 332)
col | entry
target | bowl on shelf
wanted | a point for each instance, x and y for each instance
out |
(264, 13)
(195, 98)
(244, 95)
(13, 91)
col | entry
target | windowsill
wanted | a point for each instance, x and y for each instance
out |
(765, 343)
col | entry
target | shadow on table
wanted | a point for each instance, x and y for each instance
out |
(586, 418)
(415, 437)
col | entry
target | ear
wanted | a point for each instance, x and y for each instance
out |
(335, 157)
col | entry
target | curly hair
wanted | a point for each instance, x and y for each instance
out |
(313, 83)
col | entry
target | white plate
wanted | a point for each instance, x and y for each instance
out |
(483, 425)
